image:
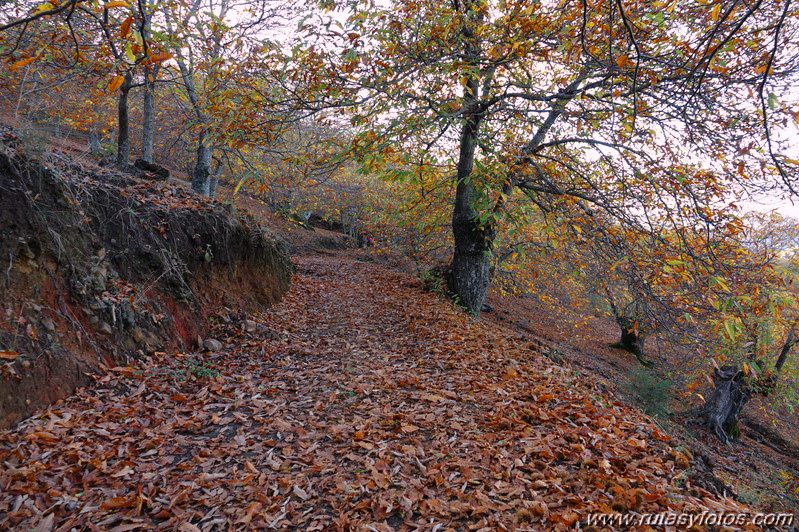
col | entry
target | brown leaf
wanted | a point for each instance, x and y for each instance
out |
(115, 503)
(127, 470)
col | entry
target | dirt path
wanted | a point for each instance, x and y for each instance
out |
(359, 402)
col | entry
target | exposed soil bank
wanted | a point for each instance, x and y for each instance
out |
(97, 266)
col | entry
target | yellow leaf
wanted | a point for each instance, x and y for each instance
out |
(762, 69)
(47, 6)
(702, 397)
(115, 3)
(715, 13)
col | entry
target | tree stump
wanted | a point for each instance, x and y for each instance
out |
(632, 339)
(155, 170)
(723, 407)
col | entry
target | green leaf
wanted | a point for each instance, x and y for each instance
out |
(729, 326)
(130, 57)
(772, 100)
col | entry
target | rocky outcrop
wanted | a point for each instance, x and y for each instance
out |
(97, 267)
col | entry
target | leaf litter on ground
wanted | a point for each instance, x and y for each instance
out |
(359, 403)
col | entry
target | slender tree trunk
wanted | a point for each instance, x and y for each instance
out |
(94, 142)
(214, 184)
(148, 121)
(786, 349)
(123, 135)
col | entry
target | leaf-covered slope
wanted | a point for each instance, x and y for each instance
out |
(357, 401)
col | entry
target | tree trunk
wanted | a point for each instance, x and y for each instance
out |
(123, 119)
(632, 339)
(95, 146)
(786, 349)
(214, 184)
(148, 120)
(201, 175)
(723, 407)
(471, 261)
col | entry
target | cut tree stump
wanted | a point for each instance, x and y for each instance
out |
(723, 407)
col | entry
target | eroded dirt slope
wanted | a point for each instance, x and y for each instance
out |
(97, 267)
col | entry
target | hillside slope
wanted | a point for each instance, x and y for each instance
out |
(99, 267)
(357, 402)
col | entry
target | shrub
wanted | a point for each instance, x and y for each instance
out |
(651, 392)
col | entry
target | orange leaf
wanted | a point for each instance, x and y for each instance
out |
(8, 355)
(22, 63)
(160, 56)
(660, 436)
(116, 83)
(118, 502)
(44, 436)
(124, 29)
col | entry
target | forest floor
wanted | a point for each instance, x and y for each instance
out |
(358, 402)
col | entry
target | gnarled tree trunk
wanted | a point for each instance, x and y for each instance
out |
(723, 407)
(632, 339)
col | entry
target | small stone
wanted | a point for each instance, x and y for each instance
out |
(48, 324)
(250, 326)
(212, 345)
(105, 328)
